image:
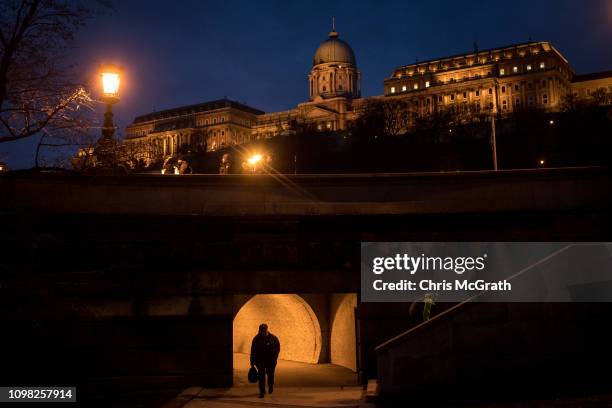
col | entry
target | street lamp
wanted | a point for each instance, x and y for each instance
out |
(110, 86)
(111, 78)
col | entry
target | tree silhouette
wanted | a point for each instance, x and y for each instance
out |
(37, 86)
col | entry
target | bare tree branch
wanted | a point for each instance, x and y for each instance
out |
(36, 88)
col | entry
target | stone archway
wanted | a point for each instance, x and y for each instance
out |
(343, 344)
(289, 317)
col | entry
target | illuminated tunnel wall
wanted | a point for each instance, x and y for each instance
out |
(343, 347)
(289, 317)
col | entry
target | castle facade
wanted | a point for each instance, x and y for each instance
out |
(500, 80)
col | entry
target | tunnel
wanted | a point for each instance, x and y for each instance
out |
(289, 317)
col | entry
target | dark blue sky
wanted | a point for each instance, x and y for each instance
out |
(260, 52)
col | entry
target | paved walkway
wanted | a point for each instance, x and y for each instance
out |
(297, 385)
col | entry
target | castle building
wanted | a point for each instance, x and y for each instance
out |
(502, 79)
(499, 80)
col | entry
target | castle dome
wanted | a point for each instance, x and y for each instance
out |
(334, 50)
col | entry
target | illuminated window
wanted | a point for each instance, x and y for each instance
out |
(404, 88)
(542, 65)
(426, 84)
(392, 89)
(416, 86)
(329, 125)
(502, 71)
(515, 69)
(528, 67)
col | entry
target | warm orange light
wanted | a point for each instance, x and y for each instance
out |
(110, 83)
(254, 159)
(111, 79)
(542, 162)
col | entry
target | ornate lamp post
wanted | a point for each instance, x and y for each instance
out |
(106, 147)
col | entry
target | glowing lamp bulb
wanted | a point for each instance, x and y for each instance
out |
(110, 83)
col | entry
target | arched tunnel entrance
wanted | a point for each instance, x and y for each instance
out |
(289, 317)
(317, 333)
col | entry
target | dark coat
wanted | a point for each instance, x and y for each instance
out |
(264, 350)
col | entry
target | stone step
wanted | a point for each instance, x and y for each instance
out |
(371, 394)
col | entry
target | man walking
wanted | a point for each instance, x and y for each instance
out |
(264, 354)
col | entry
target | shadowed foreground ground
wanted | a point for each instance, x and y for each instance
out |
(326, 385)
(296, 385)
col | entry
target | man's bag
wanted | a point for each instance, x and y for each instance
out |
(253, 377)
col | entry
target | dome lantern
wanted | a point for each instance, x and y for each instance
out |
(334, 50)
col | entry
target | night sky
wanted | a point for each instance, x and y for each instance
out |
(260, 52)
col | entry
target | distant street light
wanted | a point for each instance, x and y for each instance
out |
(552, 122)
(542, 162)
(257, 163)
(254, 161)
